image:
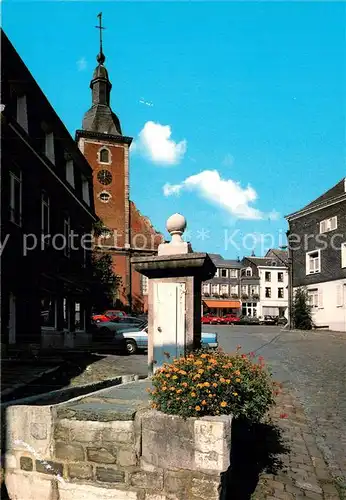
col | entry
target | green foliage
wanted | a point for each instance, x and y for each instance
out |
(301, 310)
(104, 281)
(214, 383)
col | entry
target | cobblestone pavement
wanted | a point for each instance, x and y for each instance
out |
(312, 365)
(300, 471)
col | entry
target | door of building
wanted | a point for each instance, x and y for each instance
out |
(169, 322)
(12, 320)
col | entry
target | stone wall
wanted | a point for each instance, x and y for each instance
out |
(52, 456)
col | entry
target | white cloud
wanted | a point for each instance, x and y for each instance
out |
(154, 141)
(225, 193)
(82, 64)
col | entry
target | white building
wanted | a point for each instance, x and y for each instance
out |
(265, 280)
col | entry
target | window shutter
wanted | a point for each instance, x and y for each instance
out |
(320, 298)
(307, 264)
(318, 263)
(333, 223)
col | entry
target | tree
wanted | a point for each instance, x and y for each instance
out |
(104, 281)
(301, 310)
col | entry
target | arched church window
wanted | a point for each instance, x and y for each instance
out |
(104, 155)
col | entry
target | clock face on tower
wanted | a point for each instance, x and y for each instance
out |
(104, 177)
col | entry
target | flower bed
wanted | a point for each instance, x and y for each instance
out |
(214, 383)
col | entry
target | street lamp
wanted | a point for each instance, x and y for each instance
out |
(290, 281)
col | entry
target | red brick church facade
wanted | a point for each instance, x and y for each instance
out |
(107, 151)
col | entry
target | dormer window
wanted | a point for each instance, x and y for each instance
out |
(104, 155)
(249, 271)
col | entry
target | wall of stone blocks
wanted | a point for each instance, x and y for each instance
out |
(152, 457)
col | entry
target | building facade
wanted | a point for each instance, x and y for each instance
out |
(128, 232)
(265, 284)
(47, 213)
(221, 294)
(317, 238)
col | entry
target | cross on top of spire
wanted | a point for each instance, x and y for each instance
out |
(100, 57)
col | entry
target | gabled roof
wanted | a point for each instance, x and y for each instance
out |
(219, 261)
(282, 255)
(337, 192)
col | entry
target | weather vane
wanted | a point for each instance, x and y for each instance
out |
(101, 57)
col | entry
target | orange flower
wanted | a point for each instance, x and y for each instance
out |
(198, 362)
(164, 388)
(206, 384)
(204, 356)
(237, 372)
(167, 375)
(237, 379)
(214, 384)
(223, 404)
(184, 384)
(197, 408)
(179, 391)
(211, 395)
(204, 402)
(222, 379)
(193, 394)
(172, 388)
(228, 381)
(196, 376)
(182, 372)
(201, 370)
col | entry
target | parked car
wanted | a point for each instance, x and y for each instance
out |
(248, 320)
(268, 320)
(209, 319)
(281, 320)
(136, 337)
(229, 319)
(109, 314)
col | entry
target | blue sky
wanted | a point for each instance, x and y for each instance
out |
(237, 109)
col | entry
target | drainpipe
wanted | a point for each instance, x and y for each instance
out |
(290, 284)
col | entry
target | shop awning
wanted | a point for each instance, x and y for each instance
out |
(235, 304)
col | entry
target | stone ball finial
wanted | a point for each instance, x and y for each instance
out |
(176, 224)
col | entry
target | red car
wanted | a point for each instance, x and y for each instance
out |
(107, 315)
(229, 319)
(208, 319)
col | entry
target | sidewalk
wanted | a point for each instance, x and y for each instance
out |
(302, 473)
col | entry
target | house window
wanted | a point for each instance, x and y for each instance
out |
(249, 271)
(224, 290)
(244, 289)
(49, 146)
(343, 254)
(215, 289)
(70, 172)
(104, 155)
(144, 284)
(339, 295)
(313, 262)
(268, 292)
(79, 315)
(67, 236)
(45, 216)
(254, 290)
(313, 298)
(48, 311)
(22, 112)
(206, 288)
(16, 197)
(280, 277)
(85, 190)
(328, 224)
(234, 290)
(280, 293)
(104, 196)
(223, 273)
(233, 273)
(268, 276)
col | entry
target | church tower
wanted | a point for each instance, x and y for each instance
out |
(107, 151)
